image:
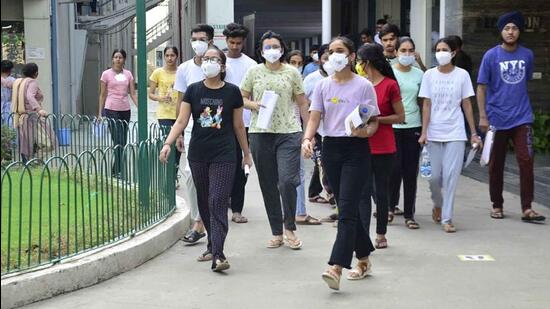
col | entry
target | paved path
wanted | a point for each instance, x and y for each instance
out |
(420, 269)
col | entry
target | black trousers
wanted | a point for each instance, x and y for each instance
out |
(405, 169)
(381, 169)
(346, 161)
(239, 183)
(118, 126)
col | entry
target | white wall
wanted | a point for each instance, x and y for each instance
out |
(218, 14)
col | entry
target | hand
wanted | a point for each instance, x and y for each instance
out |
(164, 153)
(43, 113)
(180, 145)
(167, 99)
(307, 148)
(363, 132)
(247, 160)
(423, 140)
(475, 139)
(256, 105)
(483, 124)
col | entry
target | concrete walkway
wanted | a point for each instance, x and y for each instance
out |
(420, 269)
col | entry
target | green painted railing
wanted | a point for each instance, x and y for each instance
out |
(81, 192)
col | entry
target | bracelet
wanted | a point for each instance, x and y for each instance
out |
(169, 144)
(474, 134)
(306, 139)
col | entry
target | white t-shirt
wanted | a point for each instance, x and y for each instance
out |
(309, 85)
(235, 70)
(446, 92)
(187, 74)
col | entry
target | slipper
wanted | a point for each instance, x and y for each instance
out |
(332, 279)
(308, 220)
(361, 271)
(294, 243)
(411, 224)
(381, 243)
(532, 216)
(238, 218)
(497, 213)
(193, 236)
(397, 211)
(274, 243)
(318, 199)
(206, 256)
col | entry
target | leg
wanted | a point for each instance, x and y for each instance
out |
(200, 175)
(522, 138)
(239, 183)
(496, 167)
(397, 169)
(381, 164)
(300, 192)
(435, 149)
(220, 184)
(288, 165)
(363, 243)
(265, 158)
(410, 159)
(452, 166)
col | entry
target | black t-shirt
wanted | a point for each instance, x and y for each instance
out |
(213, 137)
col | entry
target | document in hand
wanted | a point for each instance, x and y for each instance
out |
(269, 100)
(486, 154)
(359, 116)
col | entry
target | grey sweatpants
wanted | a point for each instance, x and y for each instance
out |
(446, 160)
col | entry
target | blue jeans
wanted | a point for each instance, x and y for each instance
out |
(300, 191)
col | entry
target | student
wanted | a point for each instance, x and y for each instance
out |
(276, 150)
(366, 36)
(382, 143)
(115, 85)
(237, 65)
(389, 34)
(7, 82)
(188, 73)
(405, 167)
(445, 89)
(379, 24)
(296, 59)
(163, 79)
(216, 107)
(314, 64)
(504, 104)
(345, 158)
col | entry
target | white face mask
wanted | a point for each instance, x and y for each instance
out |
(406, 60)
(328, 68)
(443, 57)
(315, 57)
(199, 47)
(210, 68)
(300, 69)
(338, 61)
(272, 55)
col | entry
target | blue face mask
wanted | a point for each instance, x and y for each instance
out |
(406, 60)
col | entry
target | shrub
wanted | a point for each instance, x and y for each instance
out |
(8, 140)
(541, 132)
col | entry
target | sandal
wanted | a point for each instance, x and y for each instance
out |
(436, 214)
(294, 243)
(332, 278)
(361, 271)
(206, 256)
(221, 265)
(397, 211)
(308, 220)
(274, 243)
(449, 228)
(193, 236)
(333, 217)
(411, 224)
(238, 218)
(381, 243)
(318, 199)
(497, 213)
(532, 216)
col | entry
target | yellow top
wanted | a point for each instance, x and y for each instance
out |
(165, 84)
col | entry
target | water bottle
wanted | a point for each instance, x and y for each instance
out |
(364, 113)
(425, 165)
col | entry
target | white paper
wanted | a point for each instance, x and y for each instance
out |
(471, 155)
(269, 100)
(486, 154)
(354, 120)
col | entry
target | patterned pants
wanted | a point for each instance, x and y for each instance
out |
(214, 182)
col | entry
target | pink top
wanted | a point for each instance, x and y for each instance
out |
(118, 88)
(33, 96)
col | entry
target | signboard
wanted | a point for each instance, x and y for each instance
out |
(38, 53)
(218, 14)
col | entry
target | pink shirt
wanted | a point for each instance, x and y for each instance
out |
(118, 88)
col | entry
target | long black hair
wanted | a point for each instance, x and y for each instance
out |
(374, 54)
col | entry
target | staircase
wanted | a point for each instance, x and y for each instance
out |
(159, 33)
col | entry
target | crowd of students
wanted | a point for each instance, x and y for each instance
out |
(220, 95)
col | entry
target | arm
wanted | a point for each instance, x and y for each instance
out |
(240, 132)
(249, 104)
(311, 129)
(152, 92)
(397, 117)
(102, 97)
(133, 92)
(32, 91)
(426, 112)
(176, 131)
(469, 113)
(483, 122)
(303, 104)
(368, 130)
(419, 61)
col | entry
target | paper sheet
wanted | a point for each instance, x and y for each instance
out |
(269, 101)
(488, 145)
(471, 155)
(354, 120)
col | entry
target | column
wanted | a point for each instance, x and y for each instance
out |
(327, 22)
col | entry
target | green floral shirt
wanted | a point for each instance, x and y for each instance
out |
(287, 83)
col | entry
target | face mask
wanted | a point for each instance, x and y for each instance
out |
(315, 57)
(360, 71)
(199, 47)
(338, 61)
(328, 68)
(210, 69)
(443, 57)
(406, 60)
(272, 55)
(300, 69)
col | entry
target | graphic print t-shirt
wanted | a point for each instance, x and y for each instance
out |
(506, 74)
(213, 137)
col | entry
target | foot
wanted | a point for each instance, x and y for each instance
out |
(293, 241)
(307, 220)
(449, 228)
(221, 265)
(205, 256)
(390, 217)
(381, 242)
(332, 277)
(397, 211)
(333, 217)
(530, 215)
(411, 224)
(497, 213)
(436, 214)
(275, 242)
(318, 199)
(360, 271)
(238, 218)
(193, 236)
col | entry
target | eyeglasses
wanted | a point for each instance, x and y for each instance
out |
(211, 59)
(199, 39)
(268, 47)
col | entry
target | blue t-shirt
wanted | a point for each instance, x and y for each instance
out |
(310, 68)
(506, 74)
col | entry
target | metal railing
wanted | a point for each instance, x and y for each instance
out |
(79, 191)
(158, 29)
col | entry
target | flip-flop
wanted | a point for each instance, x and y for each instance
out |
(497, 214)
(274, 243)
(193, 236)
(206, 256)
(294, 243)
(238, 218)
(381, 243)
(411, 224)
(308, 220)
(332, 279)
(361, 271)
(532, 216)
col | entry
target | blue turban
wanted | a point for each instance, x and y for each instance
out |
(512, 17)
